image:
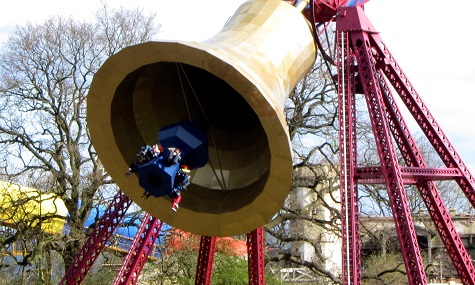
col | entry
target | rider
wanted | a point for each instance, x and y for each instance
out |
(149, 152)
(182, 179)
(134, 166)
(174, 155)
(146, 154)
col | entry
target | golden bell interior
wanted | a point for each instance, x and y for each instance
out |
(233, 86)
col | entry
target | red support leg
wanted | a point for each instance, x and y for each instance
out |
(351, 244)
(204, 268)
(138, 253)
(389, 161)
(255, 252)
(96, 242)
(428, 189)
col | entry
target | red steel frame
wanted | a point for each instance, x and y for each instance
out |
(143, 243)
(362, 52)
(255, 252)
(204, 268)
(140, 250)
(351, 262)
(96, 242)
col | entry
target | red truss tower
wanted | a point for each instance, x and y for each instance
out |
(366, 66)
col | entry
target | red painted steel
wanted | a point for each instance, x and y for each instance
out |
(389, 160)
(374, 60)
(204, 268)
(255, 252)
(351, 259)
(427, 188)
(96, 242)
(431, 197)
(410, 175)
(139, 251)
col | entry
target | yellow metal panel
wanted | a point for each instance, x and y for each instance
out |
(27, 206)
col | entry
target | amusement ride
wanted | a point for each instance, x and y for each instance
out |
(221, 103)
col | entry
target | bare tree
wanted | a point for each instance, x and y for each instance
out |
(45, 74)
(311, 212)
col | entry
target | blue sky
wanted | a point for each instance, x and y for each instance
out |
(431, 42)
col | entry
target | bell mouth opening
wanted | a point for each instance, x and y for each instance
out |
(163, 93)
(235, 88)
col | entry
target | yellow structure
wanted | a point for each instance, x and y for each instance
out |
(24, 206)
(235, 84)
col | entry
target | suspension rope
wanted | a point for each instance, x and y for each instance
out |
(183, 91)
(179, 67)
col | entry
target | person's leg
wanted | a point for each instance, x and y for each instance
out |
(176, 158)
(133, 168)
(171, 152)
(176, 201)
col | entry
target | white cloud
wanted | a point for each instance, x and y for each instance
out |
(195, 20)
(186, 19)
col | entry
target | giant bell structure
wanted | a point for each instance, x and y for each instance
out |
(233, 86)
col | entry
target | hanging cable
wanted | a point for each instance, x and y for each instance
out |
(183, 91)
(222, 181)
